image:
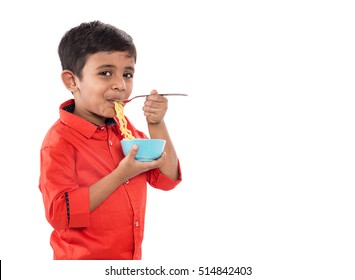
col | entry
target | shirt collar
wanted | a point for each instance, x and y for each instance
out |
(81, 125)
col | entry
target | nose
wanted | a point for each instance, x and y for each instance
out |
(119, 85)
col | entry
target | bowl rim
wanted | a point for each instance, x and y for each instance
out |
(144, 139)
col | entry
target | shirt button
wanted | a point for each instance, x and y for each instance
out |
(136, 223)
(102, 128)
(126, 182)
(110, 142)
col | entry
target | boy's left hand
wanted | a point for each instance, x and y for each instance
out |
(155, 107)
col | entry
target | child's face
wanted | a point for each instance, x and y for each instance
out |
(106, 77)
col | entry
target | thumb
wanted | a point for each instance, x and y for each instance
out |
(133, 151)
(154, 91)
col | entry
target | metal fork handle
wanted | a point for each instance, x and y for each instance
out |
(145, 95)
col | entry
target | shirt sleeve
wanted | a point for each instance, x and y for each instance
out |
(160, 181)
(66, 204)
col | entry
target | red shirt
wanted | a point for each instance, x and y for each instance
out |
(75, 154)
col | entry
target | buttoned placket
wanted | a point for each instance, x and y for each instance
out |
(136, 234)
(112, 145)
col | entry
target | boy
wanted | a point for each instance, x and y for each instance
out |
(94, 197)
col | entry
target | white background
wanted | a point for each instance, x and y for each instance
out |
(265, 138)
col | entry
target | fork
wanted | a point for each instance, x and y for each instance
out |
(145, 95)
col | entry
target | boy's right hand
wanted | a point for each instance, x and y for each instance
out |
(131, 167)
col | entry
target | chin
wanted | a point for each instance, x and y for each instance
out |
(111, 115)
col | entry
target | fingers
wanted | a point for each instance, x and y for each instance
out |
(154, 96)
(155, 107)
(154, 110)
(155, 103)
(132, 167)
(151, 164)
(153, 117)
(156, 163)
(154, 113)
(148, 165)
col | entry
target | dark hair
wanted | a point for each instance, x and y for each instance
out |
(90, 38)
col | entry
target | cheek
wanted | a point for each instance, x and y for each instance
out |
(95, 89)
(93, 86)
(129, 85)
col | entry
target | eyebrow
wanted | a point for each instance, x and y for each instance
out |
(131, 68)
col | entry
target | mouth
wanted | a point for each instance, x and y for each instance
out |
(111, 101)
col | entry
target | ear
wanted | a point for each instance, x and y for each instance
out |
(68, 79)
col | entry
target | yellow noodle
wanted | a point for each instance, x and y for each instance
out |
(122, 121)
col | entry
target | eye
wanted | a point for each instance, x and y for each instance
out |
(128, 75)
(105, 73)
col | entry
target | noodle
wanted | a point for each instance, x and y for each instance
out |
(122, 121)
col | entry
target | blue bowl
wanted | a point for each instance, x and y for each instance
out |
(148, 149)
